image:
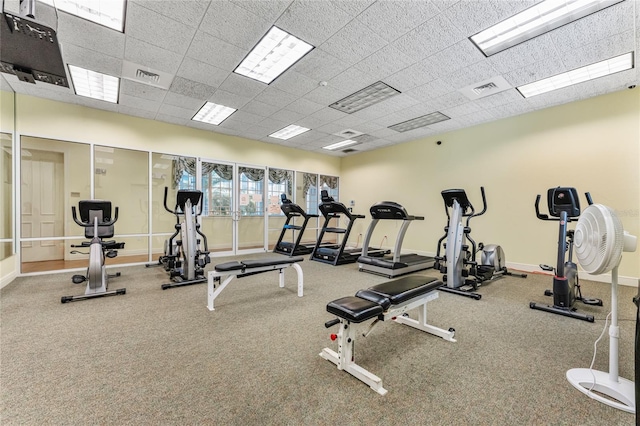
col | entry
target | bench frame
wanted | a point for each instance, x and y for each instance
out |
(344, 359)
(215, 277)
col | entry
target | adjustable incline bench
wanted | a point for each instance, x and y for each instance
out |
(244, 268)
(389, 300)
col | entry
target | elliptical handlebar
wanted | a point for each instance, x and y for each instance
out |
(540, 215)
(90, 224)
(588, 197)
(166, 192)
(484, 205)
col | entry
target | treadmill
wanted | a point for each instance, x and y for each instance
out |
(331, 253)
(393, 264)
(294, 247)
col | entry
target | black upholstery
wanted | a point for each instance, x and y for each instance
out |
(375, 300)
(354, 309)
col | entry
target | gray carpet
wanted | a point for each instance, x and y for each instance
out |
(160, 357)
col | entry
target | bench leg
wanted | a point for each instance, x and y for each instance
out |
(344, 359)
(214, 292)
(421, 323)
(300, 278)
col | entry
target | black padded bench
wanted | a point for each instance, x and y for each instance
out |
(245, 268)
(389, 300)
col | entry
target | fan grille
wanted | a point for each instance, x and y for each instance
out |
(599, 239)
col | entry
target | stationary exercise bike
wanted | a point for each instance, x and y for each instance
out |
(462, 273)
(564, 206)
(95, 218)
(183, 259)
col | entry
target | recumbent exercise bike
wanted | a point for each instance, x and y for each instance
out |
(183, 259)
(462, 273)
(564, 206)
(95, 218)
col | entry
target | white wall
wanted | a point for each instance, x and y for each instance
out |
(592, 145)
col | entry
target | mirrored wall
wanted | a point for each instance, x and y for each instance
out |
(6, 191)
(240, 204)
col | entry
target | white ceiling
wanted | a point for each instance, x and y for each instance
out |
(420, 48)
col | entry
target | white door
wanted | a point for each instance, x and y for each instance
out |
(42, 204)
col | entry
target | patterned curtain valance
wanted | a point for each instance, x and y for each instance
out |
(225, 171)
(330, 181)
(255, 175)
(308, 180)
(180, 165)
(282, 176)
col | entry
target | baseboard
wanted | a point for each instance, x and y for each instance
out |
(6, 280)
(604, 278)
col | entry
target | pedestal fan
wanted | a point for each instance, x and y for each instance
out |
(599, 243)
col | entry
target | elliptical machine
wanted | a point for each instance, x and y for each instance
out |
(183, 259)
(95, 218)
(462, 273)
(564, 205)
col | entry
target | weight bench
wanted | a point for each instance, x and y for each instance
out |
(389, 300)
(244, 268)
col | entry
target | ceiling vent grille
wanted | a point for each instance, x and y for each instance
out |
(349, 150)
(349, 133)
(145, 75)
(149, 76)
(484, 88)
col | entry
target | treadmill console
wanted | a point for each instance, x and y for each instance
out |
(388, 210)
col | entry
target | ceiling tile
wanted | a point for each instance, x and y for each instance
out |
(191, 88)
(385, 62)
(269, 10)
(243, 86)
(391, 19)
(234, 24)
(295, 83)
(157, 29)
(188, 12)
(139, 90)
(222, 97)
(275, 97)
(74, 30)
(183, 101)
(260, 108)
(92, 60)
(201, 72)
(354, 42)
(138, 103)
(148, 55)
(424, 41)
(313, 21)
(214, 51)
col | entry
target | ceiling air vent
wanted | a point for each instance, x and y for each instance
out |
(485, 88)
(349, 133)
(146, 75)
(349, 150)
(149, 76)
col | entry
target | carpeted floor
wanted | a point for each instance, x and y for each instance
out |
(154, 357)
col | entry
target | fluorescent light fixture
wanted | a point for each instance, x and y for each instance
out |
(213, 113)
(368, 96)
(339, 145)
(289, 132)
(579, 75)
(422, 121)
(94, 84)
(273, 55)
(109, 13)
(539, 19)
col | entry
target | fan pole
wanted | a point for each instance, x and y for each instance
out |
(619, 392)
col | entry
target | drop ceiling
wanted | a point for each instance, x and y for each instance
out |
(420, 48)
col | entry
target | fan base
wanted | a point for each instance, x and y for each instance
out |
(622, 392)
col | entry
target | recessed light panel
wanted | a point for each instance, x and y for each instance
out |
(414, 123)
(368, 96)
(579, 75)
(273, 55)
(109, 13)
(539, 19)
(213, 113)
(94, 84)
(289, 132)
(339, 145)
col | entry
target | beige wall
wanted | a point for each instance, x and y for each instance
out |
(45, 118)
(592, 145)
